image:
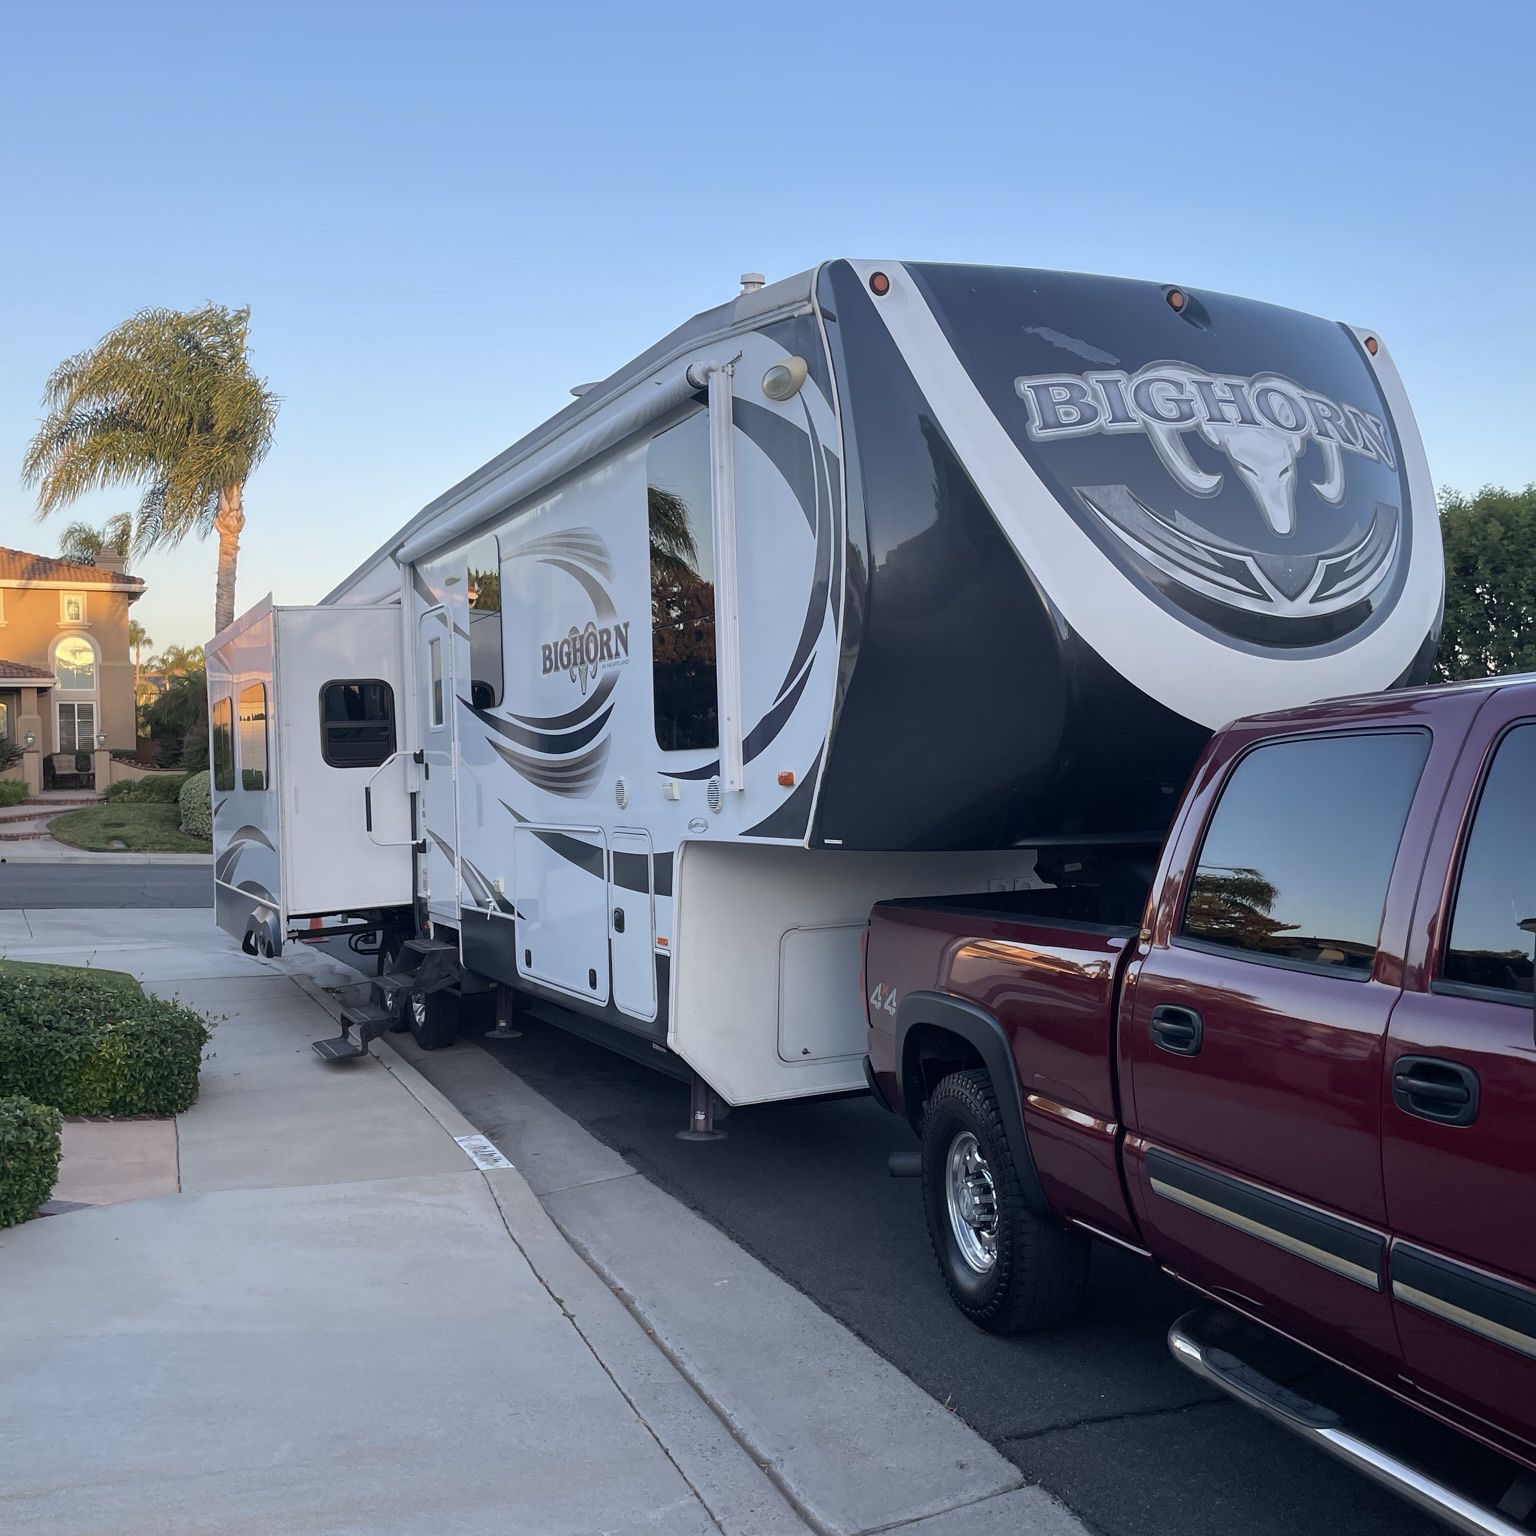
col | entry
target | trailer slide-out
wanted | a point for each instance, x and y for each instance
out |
(869, 583)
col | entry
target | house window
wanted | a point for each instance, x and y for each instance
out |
(74, 665)
(72, 608)
(682, 587)
(77, 727)
(5, 721)
(253, 736)
(221, 724)
(357, 723)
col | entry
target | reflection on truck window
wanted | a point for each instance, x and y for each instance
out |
(1488, 948)
(1297, 857)
(253, 736)
(357, 723)
(221, 723)
(683, 586)
(485, 664)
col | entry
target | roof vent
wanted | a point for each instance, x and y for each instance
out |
(580, 389)
(752, 281)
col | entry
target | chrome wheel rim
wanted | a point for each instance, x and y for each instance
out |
(419, 1012)
(972, 1200)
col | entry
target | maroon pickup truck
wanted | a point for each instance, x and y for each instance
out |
(1290, 1058)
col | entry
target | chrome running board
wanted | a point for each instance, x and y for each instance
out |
(1190, 1340)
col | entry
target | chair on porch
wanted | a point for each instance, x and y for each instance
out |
(68, 770)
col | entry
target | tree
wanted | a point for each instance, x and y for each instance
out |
(167, 401)
(178, 720)
(138, 641)
(179, 661)
(1490, 583)
(82, 544)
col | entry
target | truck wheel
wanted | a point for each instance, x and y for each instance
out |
(434, 1018)
(1007, 1269)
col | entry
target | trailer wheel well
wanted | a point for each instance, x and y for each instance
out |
(931, 1053)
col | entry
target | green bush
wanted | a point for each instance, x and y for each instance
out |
(29, 1158)
(12, 791)
(162, 789)
(87, 1045)
(196, 804)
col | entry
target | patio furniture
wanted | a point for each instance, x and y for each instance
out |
(68, 770)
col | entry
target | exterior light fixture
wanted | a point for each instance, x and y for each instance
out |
(783, 380)
(29, 740)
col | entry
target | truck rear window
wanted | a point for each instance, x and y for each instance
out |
(1296, 859)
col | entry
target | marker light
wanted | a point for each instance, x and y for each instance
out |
(1176, 299)
(1371, 345)
(879, 284)
(787, 779)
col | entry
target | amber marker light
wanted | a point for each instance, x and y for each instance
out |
(1372, 345)
(787, 779)
(879, 284)
(1176, 299)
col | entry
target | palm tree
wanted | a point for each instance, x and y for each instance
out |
(167, 401)
(138, 641)
(82, 544)
(179, 660)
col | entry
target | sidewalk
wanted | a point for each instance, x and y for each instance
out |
(47, 850)
(343, 1324)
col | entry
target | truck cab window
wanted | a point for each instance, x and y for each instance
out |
(357, 723)
(221, 719)
(1488, 949)
(485, 663)
(1296, 859)
(682, 586)
(253, 736)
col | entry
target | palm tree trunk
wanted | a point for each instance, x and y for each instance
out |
(227, 522)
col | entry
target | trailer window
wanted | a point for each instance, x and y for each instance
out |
(485, 664)
(253, 736)
(682, 587)
(1298, 854)
(221, 724)
(435, 667)
(1488, 949)
(357, 723)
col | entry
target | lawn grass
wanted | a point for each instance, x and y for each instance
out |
(117, 827)
(45, 972)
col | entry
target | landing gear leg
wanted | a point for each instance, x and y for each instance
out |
(702, 1106)
(503, 1029)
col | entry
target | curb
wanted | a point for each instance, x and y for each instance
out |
(85, 856)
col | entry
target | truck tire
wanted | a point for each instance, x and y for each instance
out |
(434, 1018)
(1007, 1269)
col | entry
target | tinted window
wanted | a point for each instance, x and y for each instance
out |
(253, 736)
(1498, 876)
(221, 724)
(435, 667)
(683, 586)
(357, 723)
(1297, 857)
(485, 666)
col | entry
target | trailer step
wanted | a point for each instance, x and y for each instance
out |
(338, 1049)
(364, 1021)
(1202, 1341)
(391, 983)
(429, 947)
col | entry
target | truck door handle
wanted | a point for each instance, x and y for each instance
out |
(1180, 1030)
(618, 919)
(1432, 1089)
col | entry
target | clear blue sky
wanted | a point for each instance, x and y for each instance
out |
(444, 216)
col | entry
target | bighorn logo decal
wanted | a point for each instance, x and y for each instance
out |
(1263, 425)
(583, 651)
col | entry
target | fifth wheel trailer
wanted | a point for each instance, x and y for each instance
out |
(870, 583)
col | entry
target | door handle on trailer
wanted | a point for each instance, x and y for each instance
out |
(618, 919)
(1433, 1089)
(1179, 1030)
(367, 807)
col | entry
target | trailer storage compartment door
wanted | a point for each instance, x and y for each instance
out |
(562, 908)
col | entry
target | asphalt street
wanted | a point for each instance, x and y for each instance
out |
(1097, 1411)
(105, 884)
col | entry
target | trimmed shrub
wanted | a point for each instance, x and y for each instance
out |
(12, 791)
(29, 1158)
(88, 1045)
(196, 801)
(163, 789)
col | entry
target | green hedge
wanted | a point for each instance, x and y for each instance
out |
(86, 1045)
(197, 805)
(12, 791)
(162, 789)
(29, 1158)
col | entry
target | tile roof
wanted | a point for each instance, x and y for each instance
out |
(18, 565)
(17, 670)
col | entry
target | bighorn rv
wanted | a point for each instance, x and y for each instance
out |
(872, 582)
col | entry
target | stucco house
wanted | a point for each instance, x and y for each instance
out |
(66, 672)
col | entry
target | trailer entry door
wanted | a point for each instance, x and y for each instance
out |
(437, 800)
